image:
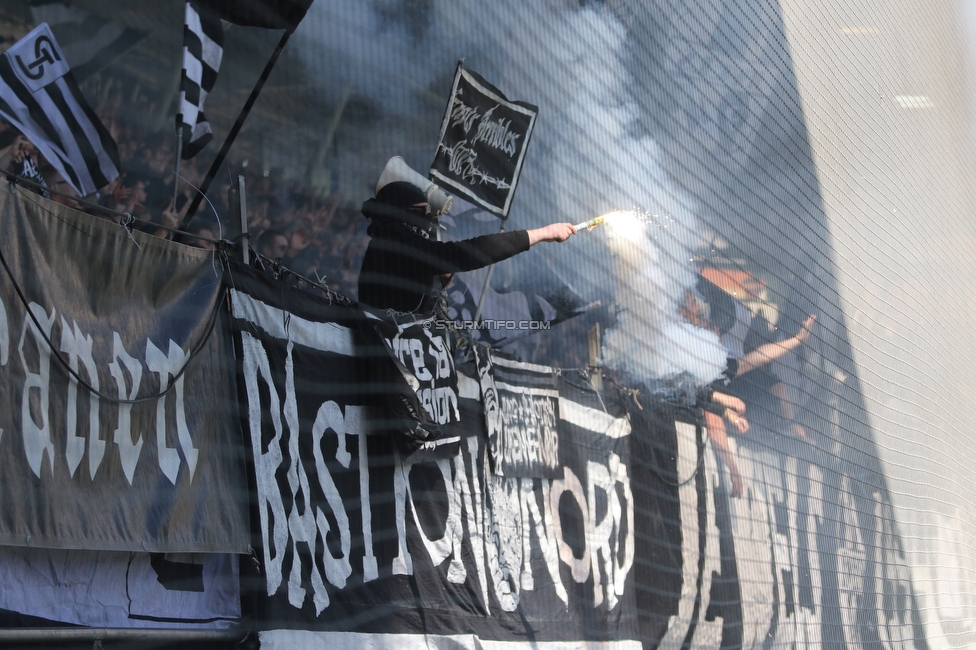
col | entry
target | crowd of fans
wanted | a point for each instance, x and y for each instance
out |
(323, 240)
(317, 237)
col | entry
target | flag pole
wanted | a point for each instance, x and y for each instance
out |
(219, 160)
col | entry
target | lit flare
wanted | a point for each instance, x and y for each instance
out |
(591, 224)
(624, 223)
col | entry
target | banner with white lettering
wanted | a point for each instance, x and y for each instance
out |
(354, 539)
(424, 349)
(521, 408)
(807, 556)
(120, 429)
(422, 352)
(482, 143)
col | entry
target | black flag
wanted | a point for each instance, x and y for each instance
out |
(482, 143)
(270, 14)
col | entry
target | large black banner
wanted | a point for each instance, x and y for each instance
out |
(354, 539)
(482, 143)
(803, 558)
(120, 430)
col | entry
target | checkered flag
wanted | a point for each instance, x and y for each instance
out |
(203, 47)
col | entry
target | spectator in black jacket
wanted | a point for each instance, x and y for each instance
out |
(404, 259)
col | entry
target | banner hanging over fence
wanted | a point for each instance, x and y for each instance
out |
(634, 541)
(521, 407)
(352, 538)
(155, 462)
(482, 143)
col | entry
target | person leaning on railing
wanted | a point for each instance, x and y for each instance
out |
(732, 409)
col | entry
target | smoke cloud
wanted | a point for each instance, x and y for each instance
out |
(583, 159)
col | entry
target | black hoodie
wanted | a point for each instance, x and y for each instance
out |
(401, 262)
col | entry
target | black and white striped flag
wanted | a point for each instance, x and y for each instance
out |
(203, 47)
(41, 99)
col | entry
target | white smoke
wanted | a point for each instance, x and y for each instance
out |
(605, 168)
(583, 159)
(649, 340)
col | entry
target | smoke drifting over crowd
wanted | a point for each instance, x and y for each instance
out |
(648, 341)
(583, 159)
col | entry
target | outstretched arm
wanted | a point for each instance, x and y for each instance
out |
(555, 232)
(772, 351)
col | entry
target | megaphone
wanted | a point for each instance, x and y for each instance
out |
(397, 169)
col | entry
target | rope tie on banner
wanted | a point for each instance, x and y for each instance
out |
(126, 222)
(626, 390)
(633, 392)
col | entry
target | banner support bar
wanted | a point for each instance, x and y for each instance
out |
(95, 634)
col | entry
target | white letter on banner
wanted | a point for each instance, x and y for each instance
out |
(37, 439)
(618, 471)
(442, 356)
(402, 563)
(301, 524)
(580, 567)
(440, 549)
(78, 347)
(851, 561)
(337, 569)
(545, 531)
(128, 452)
(807, 480)
(265, 464)
(371, 569)
(417, 356)
(503, 538)
(370, 566)
(167, 366)
(598, 477)
(474, 511)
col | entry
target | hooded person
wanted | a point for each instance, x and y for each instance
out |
(402, 270)
(404, 264)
